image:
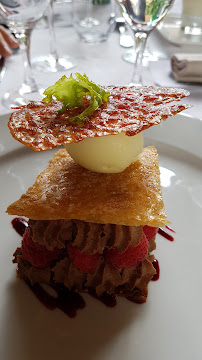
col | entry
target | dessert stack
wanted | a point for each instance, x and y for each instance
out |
(93, 216)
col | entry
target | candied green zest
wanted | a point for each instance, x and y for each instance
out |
(72, 93)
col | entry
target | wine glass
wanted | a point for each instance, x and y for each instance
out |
(52, 62)
(142, 16)
(21, 17)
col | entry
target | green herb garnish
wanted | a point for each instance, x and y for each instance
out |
(73, 92)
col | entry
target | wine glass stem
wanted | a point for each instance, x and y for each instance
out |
(24, 41)
(140, 42)
(51, 26)
(89, 7)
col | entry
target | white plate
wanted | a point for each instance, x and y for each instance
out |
(170, 29)
(169, 325)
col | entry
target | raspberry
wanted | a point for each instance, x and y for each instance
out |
(150, 231)
(132, 256)
(85, 262)
(37, 254)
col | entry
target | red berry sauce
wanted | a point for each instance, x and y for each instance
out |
(165, 234)
(19, 225)
(107, 299)
(157, 268)
(169, 228)
(67, 301)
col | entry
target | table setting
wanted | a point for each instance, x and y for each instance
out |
(112, 44)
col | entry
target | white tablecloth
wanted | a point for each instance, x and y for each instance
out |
(102, 62)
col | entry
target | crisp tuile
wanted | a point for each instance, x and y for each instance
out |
(129, 109)
(132, 197)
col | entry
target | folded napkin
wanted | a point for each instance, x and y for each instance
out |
(187, 67)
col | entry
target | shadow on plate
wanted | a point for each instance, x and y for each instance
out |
(33, 332)
(15, 154)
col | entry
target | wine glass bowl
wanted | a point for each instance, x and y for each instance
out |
(21, 19)
(142, 16)
(24, 16)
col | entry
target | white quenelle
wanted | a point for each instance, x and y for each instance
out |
(107, 154)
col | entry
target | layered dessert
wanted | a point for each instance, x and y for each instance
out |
(95, 210)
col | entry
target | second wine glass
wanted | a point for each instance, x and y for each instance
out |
(21, 18)
(142, 16)
(53, 62)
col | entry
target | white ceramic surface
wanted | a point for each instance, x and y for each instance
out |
(169, 325)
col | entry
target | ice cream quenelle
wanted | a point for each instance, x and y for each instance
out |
(93, 212)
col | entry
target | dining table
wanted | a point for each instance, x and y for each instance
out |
(103, 61)
(169, 325)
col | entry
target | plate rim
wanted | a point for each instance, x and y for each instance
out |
(10, 144)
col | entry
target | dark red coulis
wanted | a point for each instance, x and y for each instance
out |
(67, 301)
(107, 299)
(157, 268)
(169, 228)
(165, 234)
(19, 225)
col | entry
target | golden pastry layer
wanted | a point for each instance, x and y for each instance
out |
(65, 190)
